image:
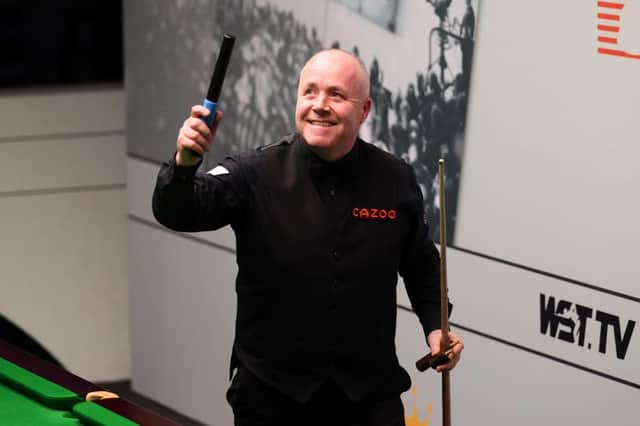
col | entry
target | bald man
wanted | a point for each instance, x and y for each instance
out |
(324, 224)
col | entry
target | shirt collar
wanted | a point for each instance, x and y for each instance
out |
(343, 164)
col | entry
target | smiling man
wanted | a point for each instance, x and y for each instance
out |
(333, 101)
(324, 224)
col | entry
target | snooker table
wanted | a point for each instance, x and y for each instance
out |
(36, 392)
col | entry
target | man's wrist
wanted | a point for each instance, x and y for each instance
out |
(187, 159)
(432, 334)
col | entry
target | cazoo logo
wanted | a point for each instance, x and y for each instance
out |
(572, 323)
(614, 23)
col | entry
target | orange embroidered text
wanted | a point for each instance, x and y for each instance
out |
(373, 213)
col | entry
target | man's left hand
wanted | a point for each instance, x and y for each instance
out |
(434, 339)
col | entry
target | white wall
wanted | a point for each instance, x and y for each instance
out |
(63, 225)
(552, 148)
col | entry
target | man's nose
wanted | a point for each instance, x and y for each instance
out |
(321, 103)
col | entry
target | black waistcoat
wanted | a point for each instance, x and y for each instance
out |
(319, 247)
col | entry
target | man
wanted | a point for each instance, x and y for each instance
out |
(324, 222)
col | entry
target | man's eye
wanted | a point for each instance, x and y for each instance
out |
(307, 92)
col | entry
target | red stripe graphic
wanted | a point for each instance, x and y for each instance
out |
(610, 5)
(611, 40)
(608, 16)
(614, 8)
(614, 52)
(609, 28)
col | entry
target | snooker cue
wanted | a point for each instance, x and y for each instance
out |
(444, 300)
(432, 360)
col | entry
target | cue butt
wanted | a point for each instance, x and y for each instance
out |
(215, 87)
(434, 360)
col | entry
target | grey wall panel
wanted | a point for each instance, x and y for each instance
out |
(65, 277)
(62, 111)
(69, 161)
(183, 312)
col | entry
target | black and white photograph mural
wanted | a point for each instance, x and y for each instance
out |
(382, 12)
(418, 54)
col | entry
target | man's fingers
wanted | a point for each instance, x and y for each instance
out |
(198, 125)
(186, 144)
(196, 130)
(454, 351)
(448, 366)
(454, 358)
(189, 133)
(197, 136)
(198, 111)
(193, 140)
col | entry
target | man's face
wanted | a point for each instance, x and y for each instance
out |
(333, 102)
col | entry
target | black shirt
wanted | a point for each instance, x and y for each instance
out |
(319, 248)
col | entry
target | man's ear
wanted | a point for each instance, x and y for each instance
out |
(366, 108)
